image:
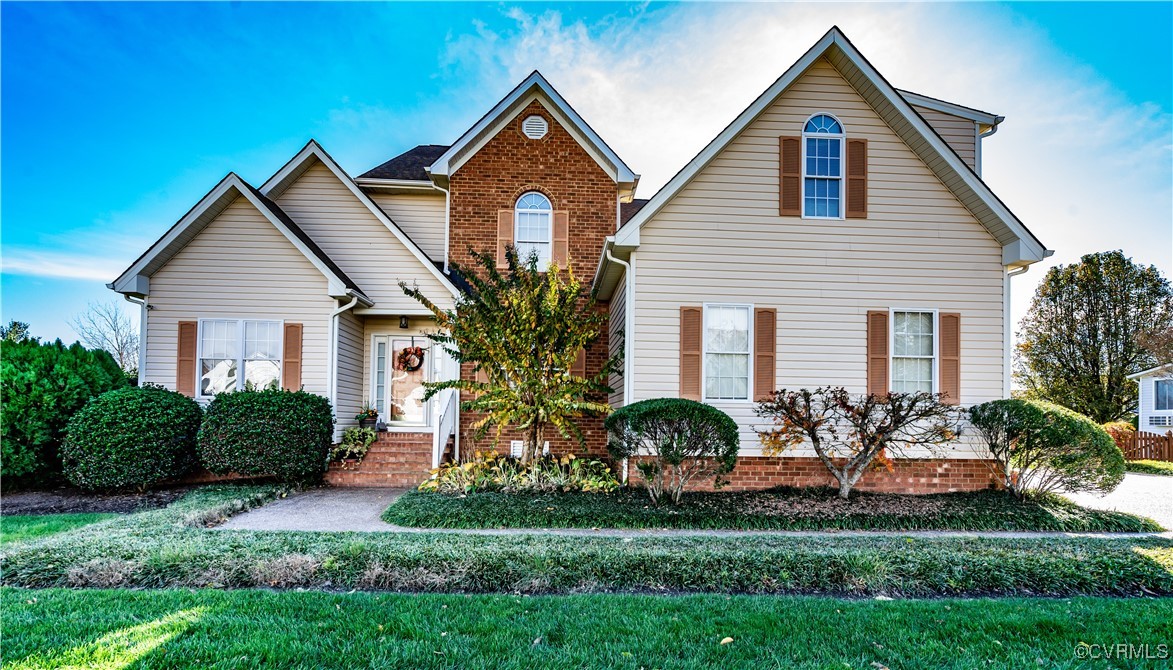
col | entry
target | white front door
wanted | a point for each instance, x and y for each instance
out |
(398, 380)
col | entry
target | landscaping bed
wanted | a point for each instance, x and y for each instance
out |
(775, 509)
(68, 500)
(1151, 467)
(182, 629)
(173, 548)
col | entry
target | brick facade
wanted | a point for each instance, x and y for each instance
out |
(509, 165)
(919, 475)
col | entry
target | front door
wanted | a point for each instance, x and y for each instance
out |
(402, 365)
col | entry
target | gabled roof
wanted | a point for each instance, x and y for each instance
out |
(1019, 245)
(534, 87)
(1145, 373)
(411, 165)
(975, 115)
(136, 279)
(304, 159)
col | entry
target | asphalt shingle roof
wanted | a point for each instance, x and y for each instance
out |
(408, 165)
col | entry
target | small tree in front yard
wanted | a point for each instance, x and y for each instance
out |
(848, 432)
(522, 329)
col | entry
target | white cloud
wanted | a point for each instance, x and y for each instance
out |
(61, 265)
(1085, 168)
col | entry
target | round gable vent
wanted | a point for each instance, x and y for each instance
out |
(534, 127)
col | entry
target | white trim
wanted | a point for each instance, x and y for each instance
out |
(549, 212)
(936, 342)
(394, 184)
(842, 137)
(1031, 249)
(488, 126)
(430, 374)
(748, 307)
(1142, 373)
(240, 359)
(1155, 411)
(951, 108)
(315, 150)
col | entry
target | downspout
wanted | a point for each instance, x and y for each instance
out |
(628, 332)
(447, 219)
(1008, 334)
(142, 335)
(332, 376)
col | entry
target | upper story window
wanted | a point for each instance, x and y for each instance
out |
(914, 352)
(228, 346)
(533, 227)
(727, 352)
(1163, 394)
(822, 167)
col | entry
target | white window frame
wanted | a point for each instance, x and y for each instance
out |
(705, 353)
(240, 359)
(842, 137)
(549, 242)
(1156, 410)
(936, 343)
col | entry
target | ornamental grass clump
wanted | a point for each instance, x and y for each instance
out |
(674, 442)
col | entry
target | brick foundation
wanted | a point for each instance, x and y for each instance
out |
(927, 475)
(394, 460)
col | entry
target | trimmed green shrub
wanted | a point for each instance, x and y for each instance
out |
(494, 472)
(1041, 447)
(42, 385)
(675, 441)
(131, 437)
(270, 432)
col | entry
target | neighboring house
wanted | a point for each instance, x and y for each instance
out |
(837, 232)
(1155, 409)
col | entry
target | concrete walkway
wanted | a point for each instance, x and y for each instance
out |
(1144, 495)
(358, 510)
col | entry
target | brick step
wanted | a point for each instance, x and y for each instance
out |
(386, 470)
(350, 478)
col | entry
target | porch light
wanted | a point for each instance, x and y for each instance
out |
(403, 322)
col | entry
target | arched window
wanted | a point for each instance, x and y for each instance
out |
(533, 227)
(822, 167)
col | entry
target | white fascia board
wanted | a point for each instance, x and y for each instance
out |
(1145, 373)
(946, 107)
(315, 150)
(490, 124)
(1033, 250)
(395, 184)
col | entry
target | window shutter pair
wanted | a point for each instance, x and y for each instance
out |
(765, 349)
(949, 353)
(560, 249)
(790, 178)
(186, 370)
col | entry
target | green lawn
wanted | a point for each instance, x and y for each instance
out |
(1151, 467)
(776, 509)
(18, 528)
(172, 548)
(213, 629)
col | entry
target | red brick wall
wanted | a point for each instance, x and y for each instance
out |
(927, 475)
(507, 166)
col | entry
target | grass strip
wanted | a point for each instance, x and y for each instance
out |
(164, 548)
(23, 527)
(775, 509)
(262, 629)
(1151, 467)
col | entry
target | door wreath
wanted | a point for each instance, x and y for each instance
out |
(410, 359)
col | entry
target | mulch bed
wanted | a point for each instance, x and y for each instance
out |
(71, 500)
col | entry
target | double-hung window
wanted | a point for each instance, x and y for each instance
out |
(235, 353)
(914, 351)
(727, 349)
(534, 227)
(822, 167)
(1163, 395)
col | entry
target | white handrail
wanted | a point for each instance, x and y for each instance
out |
(448, 411)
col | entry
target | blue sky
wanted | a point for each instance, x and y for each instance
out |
(117, 118)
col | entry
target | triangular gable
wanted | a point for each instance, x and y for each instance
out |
(305, 158)
(136, 279)
(1019, 246)
(534, 87)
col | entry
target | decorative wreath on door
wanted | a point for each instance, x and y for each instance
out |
(410, 359)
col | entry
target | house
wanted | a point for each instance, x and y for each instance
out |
(1155, 409)
(836, 232)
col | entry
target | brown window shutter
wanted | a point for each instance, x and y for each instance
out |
(765, 355)
(790, 177)
(504, 235)
(481, 376)
(579, 367)
(857, 179)
(560, 254)
(185, 359)
(878, 352)
(690, 352)
(291, 358)
(950, 351)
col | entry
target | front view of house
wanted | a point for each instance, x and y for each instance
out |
(837, 232)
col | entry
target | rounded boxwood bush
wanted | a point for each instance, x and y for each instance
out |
(131, 437)
(271, 432)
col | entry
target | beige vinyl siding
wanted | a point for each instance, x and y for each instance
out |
(721, 240)
(349, 394)
(421, 216)
(238, 267)
(615, 335)
(959, 133)
(356, 240)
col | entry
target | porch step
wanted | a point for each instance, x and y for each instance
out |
(393, 460)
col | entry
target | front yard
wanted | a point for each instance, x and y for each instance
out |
(188, 629)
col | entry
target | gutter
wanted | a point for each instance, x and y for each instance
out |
(142, 332)
(628, 331)
(447, 221)
(332, 376)
(1008, 331)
